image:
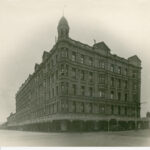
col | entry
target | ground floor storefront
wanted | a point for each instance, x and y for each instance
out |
(82, 125)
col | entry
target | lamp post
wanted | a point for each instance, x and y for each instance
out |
(136, 116)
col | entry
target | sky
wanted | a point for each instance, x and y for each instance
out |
(28, 27)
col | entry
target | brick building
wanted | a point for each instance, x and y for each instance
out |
(80, 87)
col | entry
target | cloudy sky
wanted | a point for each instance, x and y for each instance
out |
(28, 27)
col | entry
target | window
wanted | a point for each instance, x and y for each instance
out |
(52, 78)
(90, 61)
(67, 70)
(134, 97)
(67, 88)
(53, 92)
(88, 107)
(125, 111)
(112, 109)
(119, 110)
(102, 64)
(126, 84)
(96, 108)
(112, 82)
(82, 90)
(64, 52)
(62, 33)
(56, 74)
(49, 93)
(74, 89)
(44, 69)
(73, 107)
(48, 66)
(112, 68)
(126, 97)
(125, 71)
(52, 63)
(73, 56)
(62, 87)
(80, 107)
(101, 93)
(90, 76)
(62, 69)
(102, 109)
(90, 91)
(112, 95)
(118, 83)
(119, 70)
(73, 73)
(82, 59)
(101, 78)
(119, 96)
(82, 75)
(44, 84)
(134, 74)
(57, 90)
(134, 86)
(64, 106)
(56, 58)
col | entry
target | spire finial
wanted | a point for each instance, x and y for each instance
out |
(64, 10)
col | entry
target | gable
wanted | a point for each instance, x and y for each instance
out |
(101, 48)
(101, 45)
(134, 60)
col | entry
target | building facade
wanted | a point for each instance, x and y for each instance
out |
(79, 87)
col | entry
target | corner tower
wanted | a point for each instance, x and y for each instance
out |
(63, 28)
